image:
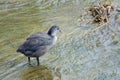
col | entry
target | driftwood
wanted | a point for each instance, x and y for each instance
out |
(101, 13)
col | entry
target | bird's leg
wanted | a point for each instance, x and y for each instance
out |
(37, 58)
(29, 60)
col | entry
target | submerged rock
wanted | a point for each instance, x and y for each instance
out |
(37, 73)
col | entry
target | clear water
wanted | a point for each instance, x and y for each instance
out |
(83, 51)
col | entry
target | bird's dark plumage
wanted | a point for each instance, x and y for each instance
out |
(38, 44)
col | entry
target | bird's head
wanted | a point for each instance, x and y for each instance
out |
(54, 30)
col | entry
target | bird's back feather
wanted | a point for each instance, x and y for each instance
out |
(36, 42)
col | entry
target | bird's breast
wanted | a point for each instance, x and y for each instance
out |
(54, 40)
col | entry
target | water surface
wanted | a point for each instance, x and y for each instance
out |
(83, 51)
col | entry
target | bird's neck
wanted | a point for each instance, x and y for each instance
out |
(53, 34)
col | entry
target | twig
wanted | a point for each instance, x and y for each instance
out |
(95, 29)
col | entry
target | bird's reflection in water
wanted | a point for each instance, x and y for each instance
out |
(37, 73)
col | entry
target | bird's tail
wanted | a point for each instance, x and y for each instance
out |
(21, 50)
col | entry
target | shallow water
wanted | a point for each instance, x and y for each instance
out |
(83, 51)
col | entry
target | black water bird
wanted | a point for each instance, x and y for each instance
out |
(38, 44)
